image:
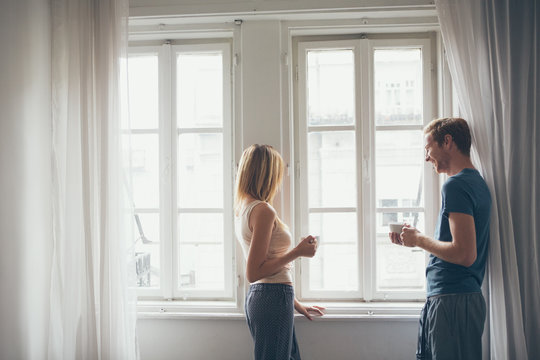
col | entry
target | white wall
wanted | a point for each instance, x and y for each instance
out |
(261, 102)
(317, 340)
(25, 188)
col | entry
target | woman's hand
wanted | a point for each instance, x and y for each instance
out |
(307, 247)
(308, 311)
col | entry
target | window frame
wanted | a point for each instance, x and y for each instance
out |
(365, 132)
(429, 177)
(152, 302)
(227, 148)
(168, 133)
(145, 51)
(301, 137)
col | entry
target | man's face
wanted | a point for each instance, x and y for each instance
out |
(436, 154)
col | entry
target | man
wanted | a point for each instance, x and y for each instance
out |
(452, 320)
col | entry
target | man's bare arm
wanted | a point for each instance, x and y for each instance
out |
(461, 250)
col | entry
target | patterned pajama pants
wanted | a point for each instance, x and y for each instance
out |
(270, 317)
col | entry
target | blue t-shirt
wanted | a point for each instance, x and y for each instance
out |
(465, 193)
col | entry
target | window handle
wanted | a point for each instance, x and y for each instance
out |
(365, 169)
(166, 166)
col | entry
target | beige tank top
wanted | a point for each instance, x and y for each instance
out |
(280, 243)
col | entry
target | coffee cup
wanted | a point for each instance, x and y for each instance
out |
(396, 227)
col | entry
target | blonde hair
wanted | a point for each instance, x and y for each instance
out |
(259, 175)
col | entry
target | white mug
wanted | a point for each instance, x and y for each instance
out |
(396, 227)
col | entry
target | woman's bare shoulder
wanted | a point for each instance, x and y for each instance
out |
(263, 209)
(262, 213)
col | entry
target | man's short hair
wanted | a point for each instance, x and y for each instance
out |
(455, 127)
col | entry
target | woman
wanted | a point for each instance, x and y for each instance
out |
(266, 243)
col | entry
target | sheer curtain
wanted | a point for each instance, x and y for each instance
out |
(92, 312)
(492, 50)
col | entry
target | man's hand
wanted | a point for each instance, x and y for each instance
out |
(461, 250)
(395, 238)
(409, 236)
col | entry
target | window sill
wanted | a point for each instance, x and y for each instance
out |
(188, 309)
(229, 310)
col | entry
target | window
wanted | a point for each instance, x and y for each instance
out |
(180, 137)
(358, 151)
(362, 105)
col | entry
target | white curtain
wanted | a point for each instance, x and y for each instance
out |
(492, 49)
(92, 311)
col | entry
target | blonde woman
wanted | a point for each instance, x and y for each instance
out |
(266, 243)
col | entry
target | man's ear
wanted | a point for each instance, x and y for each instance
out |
(448, 139)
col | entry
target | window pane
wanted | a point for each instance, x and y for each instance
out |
(201, 251)
(398, 86)
(199, 90)
(399, 268)
(330, 87)
(335, 266)
(143, 92)
(399, 168)
(147, 250)
(331, 169)
(144, 169)
(200, 170)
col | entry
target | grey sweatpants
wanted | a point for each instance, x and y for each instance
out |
(270, 317)
(451, 327)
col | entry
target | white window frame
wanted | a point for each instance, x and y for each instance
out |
(168, 133)
(142, 51)
(365, 129)
(430, 191)
(303, 228)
